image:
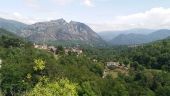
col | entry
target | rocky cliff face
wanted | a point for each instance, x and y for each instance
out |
(60, 30)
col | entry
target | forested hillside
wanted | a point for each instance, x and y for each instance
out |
(6, 33)
(149, 67)
(26, 71)
(154, 55)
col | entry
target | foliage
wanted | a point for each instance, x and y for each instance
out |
(63, 87)
(154, 55)
(35, 72)
(39, 64)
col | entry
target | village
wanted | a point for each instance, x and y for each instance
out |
(111, 68)
(114, 68)
(55, 50)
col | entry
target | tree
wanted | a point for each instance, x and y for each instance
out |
(63, 87)
(86, 90)
(39, 65)
(163, 91)
(60, 50)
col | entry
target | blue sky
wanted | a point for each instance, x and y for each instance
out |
(101, 15)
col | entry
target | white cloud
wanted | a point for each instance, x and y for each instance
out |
(155, 15)
(155, 18)
(88, 3)
(35, 3)
(19, 17)
(66, 2)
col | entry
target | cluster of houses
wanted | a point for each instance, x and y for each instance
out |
(74, 49)
(113, 65)
(135, 45)
(44, 46)
(54, 49)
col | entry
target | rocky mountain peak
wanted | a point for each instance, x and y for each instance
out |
(60, 30)
(59, 21)
(73, 22)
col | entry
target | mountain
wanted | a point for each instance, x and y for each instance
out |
(130, 39)
(109, 35)
(160, 34)
(11, 25)
(54, 32)
(60, 30)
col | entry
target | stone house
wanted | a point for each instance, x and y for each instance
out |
(112, 65)
(52, 49)
(44, 46)
(75, 50)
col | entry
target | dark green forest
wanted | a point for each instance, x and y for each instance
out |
(26, 71)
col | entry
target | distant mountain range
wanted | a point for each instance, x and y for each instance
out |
(132, 38)
(54, 31)
(76, 33)
(109, 35)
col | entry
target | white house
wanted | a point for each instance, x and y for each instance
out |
(52, 49)
(116, 64)
(44, 46)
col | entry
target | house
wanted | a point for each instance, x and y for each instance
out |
(135, 45)
(78, 51)
(112, 65)
(74, 50)
(66, 50)
(44, 46)
(94, 60)
(52, 49)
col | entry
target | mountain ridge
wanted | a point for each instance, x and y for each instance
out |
(130, 39)
(60, 30)
(109, 35)
(54, 31)
(11, 25)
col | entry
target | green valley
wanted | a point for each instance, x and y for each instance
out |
(29, 71)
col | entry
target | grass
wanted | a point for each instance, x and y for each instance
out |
(114, 73)
(153, 70)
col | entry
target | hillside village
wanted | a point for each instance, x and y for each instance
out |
(54, 49)
(110, 67)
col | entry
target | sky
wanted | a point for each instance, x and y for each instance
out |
(100, 15)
